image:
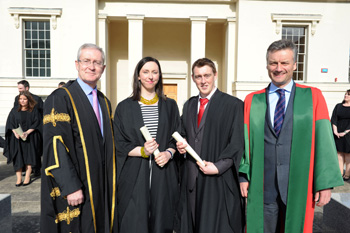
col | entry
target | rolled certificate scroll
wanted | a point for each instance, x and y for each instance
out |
(148, 136)
(188, 148)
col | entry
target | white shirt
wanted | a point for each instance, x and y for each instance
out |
(208, 97)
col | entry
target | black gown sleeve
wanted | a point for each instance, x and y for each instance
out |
(58, 140)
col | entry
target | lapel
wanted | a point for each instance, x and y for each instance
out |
(161, 112)
(105, 115)
(267, 116)
(192, 112)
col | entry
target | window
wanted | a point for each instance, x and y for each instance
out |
(37, 53)
(298, 36)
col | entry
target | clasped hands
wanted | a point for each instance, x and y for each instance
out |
(162, 158)
(24, 135)
(208, 169)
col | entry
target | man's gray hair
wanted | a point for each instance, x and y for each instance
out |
(281, 45)
(91, 46)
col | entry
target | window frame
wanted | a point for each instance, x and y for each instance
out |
(24, 56)
(305, 54)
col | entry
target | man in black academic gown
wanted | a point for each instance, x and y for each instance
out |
(23, 85)
(213, 125)
(79, 168)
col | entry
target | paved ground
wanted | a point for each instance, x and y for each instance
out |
(25, 202)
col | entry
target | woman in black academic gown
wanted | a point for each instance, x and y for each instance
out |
(21, 150)
(148, 190)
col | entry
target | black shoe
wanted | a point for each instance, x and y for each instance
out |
(25, 184)
(20, 184)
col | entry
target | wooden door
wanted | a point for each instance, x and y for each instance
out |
(170, 90)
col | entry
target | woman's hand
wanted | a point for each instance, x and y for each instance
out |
(162, 158)
(24, 135)
(150, 146)
(16, 135)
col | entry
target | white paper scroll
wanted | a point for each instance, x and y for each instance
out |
(188, 148)
(19, 131)
(148, 136)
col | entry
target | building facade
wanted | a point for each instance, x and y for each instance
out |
(40, 40)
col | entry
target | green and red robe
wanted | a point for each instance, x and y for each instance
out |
(313, 159)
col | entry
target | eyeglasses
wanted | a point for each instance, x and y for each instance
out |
(88, 63)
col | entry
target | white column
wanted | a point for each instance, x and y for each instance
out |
(135, 45)
(230, 53)
(103, 43)
(198, 24)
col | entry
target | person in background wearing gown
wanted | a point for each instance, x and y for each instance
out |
(61, 84)
(341, 128)
(24, 85)
(21, 150)
(147, 184)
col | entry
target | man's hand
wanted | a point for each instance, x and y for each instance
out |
(181, 147)
(323, 197)
(209, 168)
(244, 188)
(75, 198)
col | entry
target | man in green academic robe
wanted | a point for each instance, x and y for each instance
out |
(290, 160)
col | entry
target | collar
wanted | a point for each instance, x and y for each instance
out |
(288, 88)
(210, 95)
(86, 88)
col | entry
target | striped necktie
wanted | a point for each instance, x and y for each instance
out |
(279, 111)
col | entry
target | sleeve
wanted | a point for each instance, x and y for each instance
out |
(123, 136)
(11, 142)
(334, 118)
(35, 120)
(59, 152)
(326, 173)
(244, 167)
(223, 164)
(235, 146)
(2, 142)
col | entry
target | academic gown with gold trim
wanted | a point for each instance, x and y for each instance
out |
(67, 168)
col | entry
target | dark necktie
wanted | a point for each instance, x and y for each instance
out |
(203, 101)
(279, 111)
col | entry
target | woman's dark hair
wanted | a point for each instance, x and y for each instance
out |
(347, 92)
(136, 94)
(31, 101)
